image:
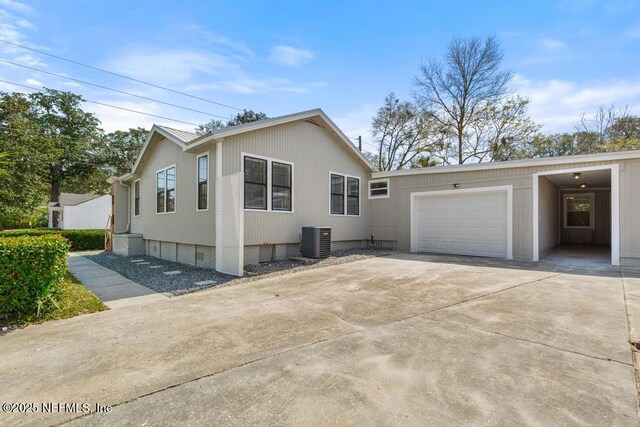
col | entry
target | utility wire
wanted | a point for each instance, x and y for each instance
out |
(119, 75)
(108, 105)
(111, 89)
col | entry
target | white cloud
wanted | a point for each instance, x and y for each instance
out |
(358, 123)
(34, 82)
(114, 119)
(559, 104)
(16, 6)
(552, 44)
(289, 56)
(170, 66)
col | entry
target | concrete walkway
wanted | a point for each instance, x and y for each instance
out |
(114, 289)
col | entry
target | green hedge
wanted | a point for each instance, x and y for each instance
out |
(80, 240)
(32, 269)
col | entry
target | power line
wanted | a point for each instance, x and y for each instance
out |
(120, 75)
(108, 105)
(111, 89)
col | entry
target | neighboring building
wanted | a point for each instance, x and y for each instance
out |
(242, 194)
(80, 211)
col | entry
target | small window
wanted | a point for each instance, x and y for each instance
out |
(345, 195)
(171, 189)
(280, 186)
(136, 198)
(579, 210)
(379, 189)
(353, 196)
(203, 182)
(160, 190)
(255, 183)
(166, 190)
(337, 194)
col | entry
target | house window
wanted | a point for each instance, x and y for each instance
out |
(579, 210)
(136, 198)
(255, 183)
(353, 196)
(379, 189)
(268, 184)
(166, 190)
(160, 190)
(280, 186)
(203, 182)
(345, 195)
(337, 194)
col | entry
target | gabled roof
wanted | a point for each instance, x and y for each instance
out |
(73, 199)
(182, 135)
(190, 142)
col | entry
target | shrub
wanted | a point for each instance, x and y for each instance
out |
(80, 240)
(32, 269)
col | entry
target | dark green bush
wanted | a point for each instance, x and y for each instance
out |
(80, 240)
(32, 269)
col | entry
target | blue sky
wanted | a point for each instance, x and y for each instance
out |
(285, 56)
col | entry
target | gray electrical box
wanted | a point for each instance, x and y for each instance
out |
(316, 242)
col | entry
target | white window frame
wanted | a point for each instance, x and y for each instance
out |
(375, 181)
(175, 190)
(270, 160)
(198, 179)
(140, 196)
(592, 211)
(345, 194)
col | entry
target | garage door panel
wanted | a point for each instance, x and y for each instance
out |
(463, 224)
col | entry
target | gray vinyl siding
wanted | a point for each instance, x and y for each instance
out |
(389, 218)
(630, 212)
(314, 153)
(186, 224)
(549, 208)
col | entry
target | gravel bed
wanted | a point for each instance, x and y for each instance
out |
(178, 284)
(154, 278)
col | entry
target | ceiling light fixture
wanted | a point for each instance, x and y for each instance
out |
(583, 185)
(576, 175)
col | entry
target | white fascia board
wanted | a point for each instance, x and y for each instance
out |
(514, 164)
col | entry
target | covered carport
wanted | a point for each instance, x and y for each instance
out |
(577, 212)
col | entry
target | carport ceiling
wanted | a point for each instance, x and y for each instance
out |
(597, 178)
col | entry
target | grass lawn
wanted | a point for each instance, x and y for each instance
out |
(74, 300)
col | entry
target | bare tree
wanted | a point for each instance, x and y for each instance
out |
(456, 90)
(403, 134)
(594, 128)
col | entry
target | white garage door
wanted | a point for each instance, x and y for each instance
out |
(463, 223)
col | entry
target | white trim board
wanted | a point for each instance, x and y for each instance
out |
(515, 164)
(615, 208)
(495, 189)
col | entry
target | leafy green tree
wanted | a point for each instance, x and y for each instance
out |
(247, 116)
(121, 148)
(70, 136)
(23, 159)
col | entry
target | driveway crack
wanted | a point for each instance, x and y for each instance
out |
(591, 356)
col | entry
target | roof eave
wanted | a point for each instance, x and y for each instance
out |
(600, 157)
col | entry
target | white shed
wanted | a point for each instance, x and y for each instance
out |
(80, 211)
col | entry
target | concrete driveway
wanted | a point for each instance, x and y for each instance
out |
(406, 339)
